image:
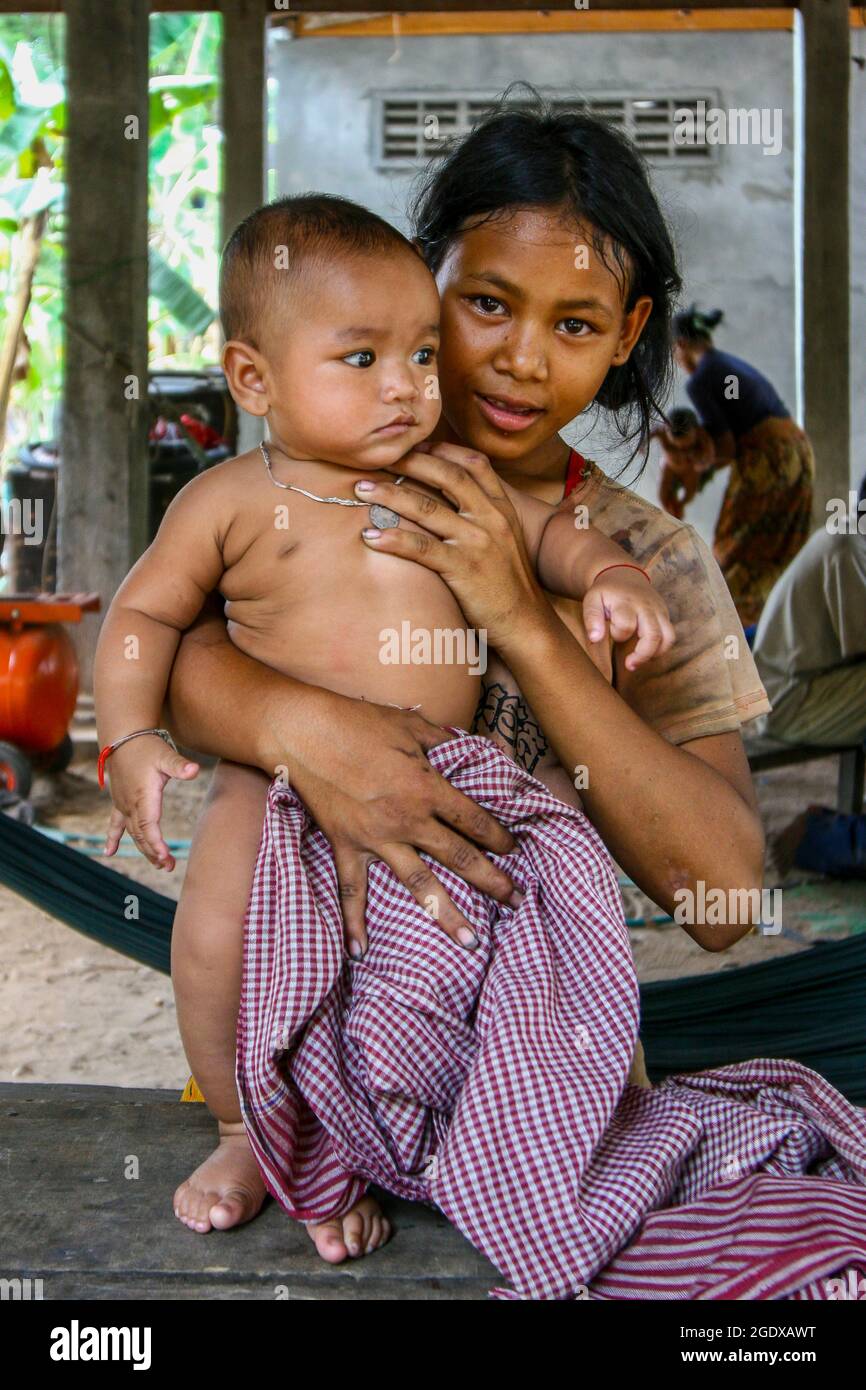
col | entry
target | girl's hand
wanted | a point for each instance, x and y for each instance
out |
(361, 770)
(478, 549)
(623, 599)
(138, 772)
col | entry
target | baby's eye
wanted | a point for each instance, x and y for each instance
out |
(486, 303)
(424, 356)
(368, 356)
(573, 326)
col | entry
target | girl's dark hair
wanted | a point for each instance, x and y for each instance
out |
(693, 326)
(534, 156)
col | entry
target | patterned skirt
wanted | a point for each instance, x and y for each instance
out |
(766, 513)
(493, 1084)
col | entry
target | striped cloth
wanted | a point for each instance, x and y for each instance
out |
(493, 1084)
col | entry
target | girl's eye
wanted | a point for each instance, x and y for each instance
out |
(424, 356)
(486, 303)
(573, 326)
(353, 358)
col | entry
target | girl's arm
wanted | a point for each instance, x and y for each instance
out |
(673, 817)
(360, 768)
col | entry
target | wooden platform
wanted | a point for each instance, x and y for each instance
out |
(71, 1217)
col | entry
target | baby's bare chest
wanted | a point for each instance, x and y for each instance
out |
(292, 559)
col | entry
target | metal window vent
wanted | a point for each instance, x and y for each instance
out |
(413, 126)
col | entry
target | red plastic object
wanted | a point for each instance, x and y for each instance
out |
(38, 667)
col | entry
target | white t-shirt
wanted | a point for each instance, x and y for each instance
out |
(815, 616)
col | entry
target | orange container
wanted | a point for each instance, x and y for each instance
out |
(38, 668)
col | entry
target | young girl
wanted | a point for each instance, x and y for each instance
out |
(556, 273)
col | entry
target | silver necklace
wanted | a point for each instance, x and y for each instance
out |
(382, 517)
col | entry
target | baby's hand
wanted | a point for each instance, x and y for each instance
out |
(623, 598)
(139, 771)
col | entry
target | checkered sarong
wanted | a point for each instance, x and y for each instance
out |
(493, 1084)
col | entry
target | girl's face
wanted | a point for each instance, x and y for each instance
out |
(532, 320)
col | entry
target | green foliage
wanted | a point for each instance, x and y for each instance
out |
(185, 178)
(169, 96)
(177, 296)
(184, 185)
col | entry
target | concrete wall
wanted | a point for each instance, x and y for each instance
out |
(734, 223)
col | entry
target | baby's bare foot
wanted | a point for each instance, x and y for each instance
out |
(357, 1232)
(226, 1190)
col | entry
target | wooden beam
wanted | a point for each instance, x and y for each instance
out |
(825, 314)
(519, 6)
(302, 7)
(268, 8)
(103, 493)
(591, 21)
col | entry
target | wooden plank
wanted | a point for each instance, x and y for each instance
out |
(681, 15)
(269, 8)
(90, 1231)
(457, 6)
(825, 314)
(593, 21)
(103, 500)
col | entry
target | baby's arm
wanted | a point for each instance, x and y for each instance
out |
(581, 562)
(159, 598)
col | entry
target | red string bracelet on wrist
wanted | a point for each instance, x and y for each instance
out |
(623, 565)
(109, 748)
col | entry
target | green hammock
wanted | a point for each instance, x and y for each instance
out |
(810, 1006)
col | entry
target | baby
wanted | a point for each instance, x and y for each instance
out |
(331, 324)
(687, 451)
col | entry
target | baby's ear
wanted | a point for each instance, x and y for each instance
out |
(244, 370)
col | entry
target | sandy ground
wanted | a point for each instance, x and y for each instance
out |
(74, 1011)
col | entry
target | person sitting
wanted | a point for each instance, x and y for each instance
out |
(810, 650)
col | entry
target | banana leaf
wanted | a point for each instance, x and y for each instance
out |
(177, 295)
(19, 131)
(169, 96)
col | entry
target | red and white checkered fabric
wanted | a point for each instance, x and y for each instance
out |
(493, 1084)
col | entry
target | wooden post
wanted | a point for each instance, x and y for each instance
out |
(244, 99)
(103, 493)
(244, 116)
(825, 302)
